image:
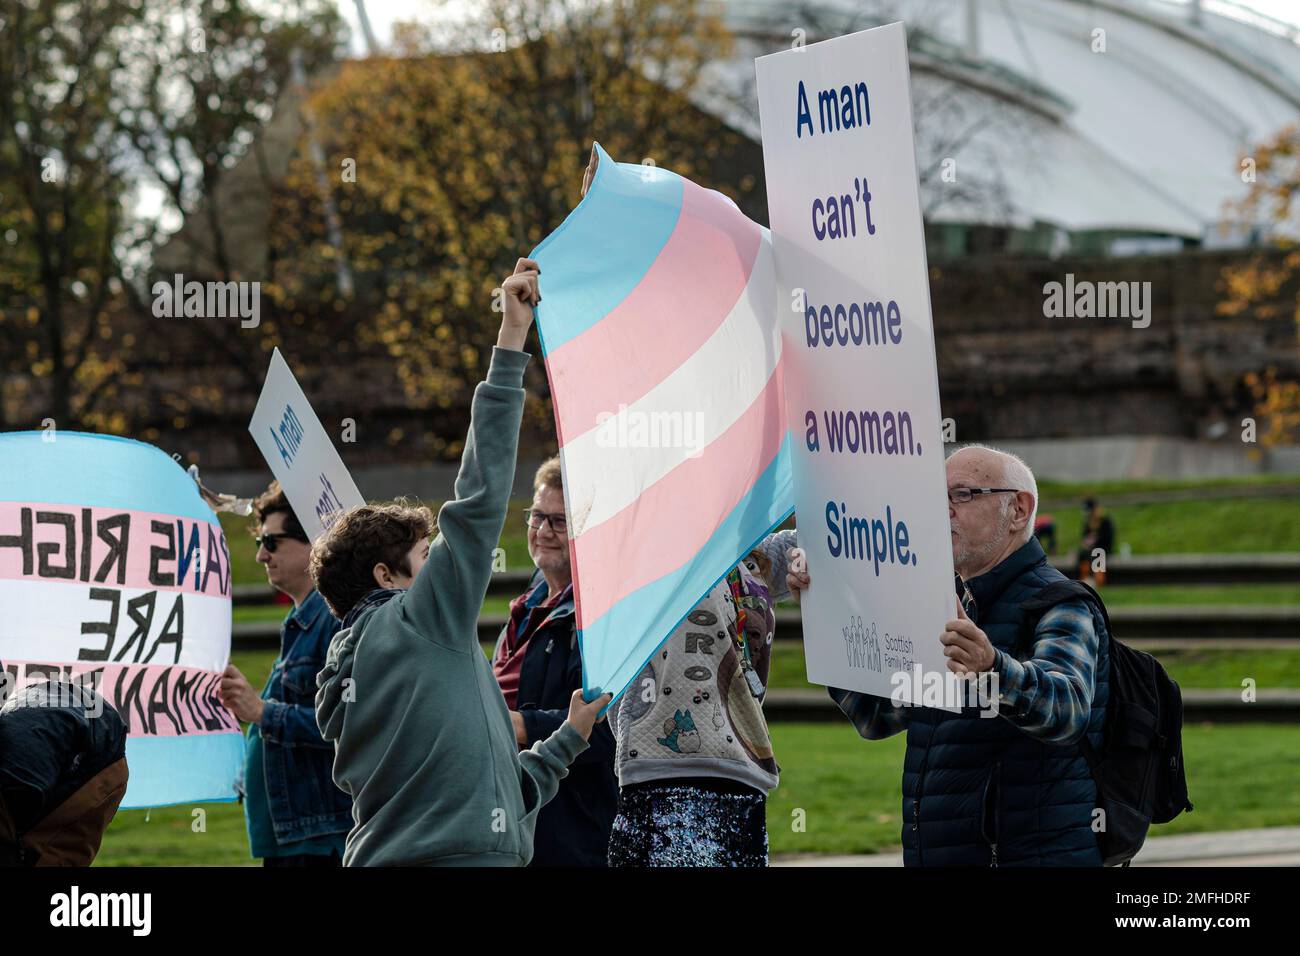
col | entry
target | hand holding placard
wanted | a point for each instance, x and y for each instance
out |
(968, 649)
(861, 384)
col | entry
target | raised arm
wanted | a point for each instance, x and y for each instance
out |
(469, 526)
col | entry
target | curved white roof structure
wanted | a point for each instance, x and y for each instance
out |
(1046, 130)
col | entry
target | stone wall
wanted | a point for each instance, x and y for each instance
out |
(1008, 371)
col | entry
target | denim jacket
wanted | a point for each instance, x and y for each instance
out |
(298, 761)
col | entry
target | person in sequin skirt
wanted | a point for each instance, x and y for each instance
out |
(694, 756)
(693, 822)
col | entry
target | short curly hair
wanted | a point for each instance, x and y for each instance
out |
(343, 559)
(275, 501)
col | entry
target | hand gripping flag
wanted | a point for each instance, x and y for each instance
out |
(115, 574)
(659, 326)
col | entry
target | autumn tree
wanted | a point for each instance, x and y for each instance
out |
(61, 210)
(1267, 284)
(456, 154)
(117, 117)
(204, 79)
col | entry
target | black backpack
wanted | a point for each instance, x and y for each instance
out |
(1139, 772)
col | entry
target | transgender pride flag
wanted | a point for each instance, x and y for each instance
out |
(115, 574)
(659, 325)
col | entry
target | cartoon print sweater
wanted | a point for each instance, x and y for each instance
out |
(696, 708)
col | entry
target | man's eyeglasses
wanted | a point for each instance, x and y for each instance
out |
(959, 496)
(559, 524)
(272, 541)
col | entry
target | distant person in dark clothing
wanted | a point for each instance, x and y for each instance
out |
(1045, 532)
(538, 666)
(1098, 535)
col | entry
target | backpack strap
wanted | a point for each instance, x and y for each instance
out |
(1059, 592)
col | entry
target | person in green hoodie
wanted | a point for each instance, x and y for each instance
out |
(423, 739)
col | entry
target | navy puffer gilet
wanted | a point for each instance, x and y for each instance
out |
(978, 791)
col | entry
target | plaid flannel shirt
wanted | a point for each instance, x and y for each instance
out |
(1048, 696)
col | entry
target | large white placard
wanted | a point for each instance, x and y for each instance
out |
(299, 451)
(862, 391)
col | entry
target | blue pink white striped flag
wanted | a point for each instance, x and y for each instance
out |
(115, 574)
(659, 326)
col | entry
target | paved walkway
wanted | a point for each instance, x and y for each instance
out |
(1271, 846)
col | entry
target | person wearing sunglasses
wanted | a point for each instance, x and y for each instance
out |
(295, 814)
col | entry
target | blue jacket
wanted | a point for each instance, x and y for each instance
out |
(298, 761)
(1011, 789)
(574, 828)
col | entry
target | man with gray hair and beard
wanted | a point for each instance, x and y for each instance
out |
(1013, 789)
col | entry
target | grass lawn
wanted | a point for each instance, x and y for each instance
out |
(1239, 776)
(1225, 524)
(1052, 490)
(1130, 595)
(259, 613)
(168, 837)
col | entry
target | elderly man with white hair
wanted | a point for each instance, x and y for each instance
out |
(1013, 789)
